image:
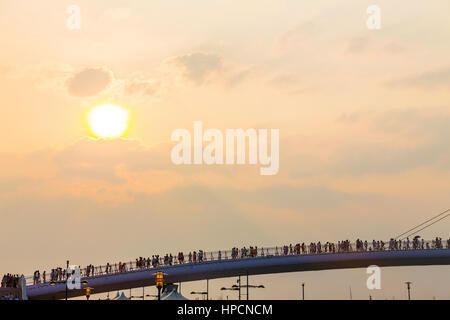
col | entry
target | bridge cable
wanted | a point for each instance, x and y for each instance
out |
(429, 225)
(423, 223)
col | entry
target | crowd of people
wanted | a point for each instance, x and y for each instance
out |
(10, 281)
(199, 256)
(57, 274)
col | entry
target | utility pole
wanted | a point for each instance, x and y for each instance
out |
(239, 280)
(408, 286)
(67, 276)
(207, 289)
(247, 284)
(303, 291)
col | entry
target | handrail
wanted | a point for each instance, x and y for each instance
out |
(237, 254)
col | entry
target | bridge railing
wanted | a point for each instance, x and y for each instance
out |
(235, 254)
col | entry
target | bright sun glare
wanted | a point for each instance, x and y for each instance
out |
(108, 121)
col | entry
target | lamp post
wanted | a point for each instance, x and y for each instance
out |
(88, 292)
(303, 291)
(253, 287)
(408, 286)
(239, 281)
(159, 282)
(236, 287)
(54, 283)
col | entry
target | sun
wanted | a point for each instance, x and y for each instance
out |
(108, 121)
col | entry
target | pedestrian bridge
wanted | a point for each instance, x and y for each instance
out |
(266, 263)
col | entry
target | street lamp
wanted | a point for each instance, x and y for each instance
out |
(159, 282)
(236, 287)
(408, 286)
(54, 283)
(251, 286)
(88, 292)
(232, 288)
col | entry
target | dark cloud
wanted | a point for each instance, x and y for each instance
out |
(89, 82)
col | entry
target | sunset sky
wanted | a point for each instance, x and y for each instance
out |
(363, 116)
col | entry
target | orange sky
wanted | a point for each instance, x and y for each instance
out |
(363, 117)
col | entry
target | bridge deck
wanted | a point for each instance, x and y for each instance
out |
(252, 266)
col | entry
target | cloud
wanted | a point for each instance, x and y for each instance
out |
(89, 82)
(198, 66)
(297, 34)
(348, 117)
(240, 76)
(288, 79)
(100, 158)
(431, 79)
(425, 133)
(137, 84)
(105, 170)
(119, 170)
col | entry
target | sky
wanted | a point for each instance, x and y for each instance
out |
(363, 118)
